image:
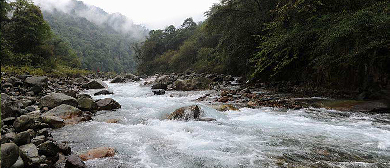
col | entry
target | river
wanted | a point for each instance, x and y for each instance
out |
(264, 137)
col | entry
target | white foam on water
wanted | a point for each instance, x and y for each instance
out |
(243, 138)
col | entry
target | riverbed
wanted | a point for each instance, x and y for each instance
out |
(261, 137)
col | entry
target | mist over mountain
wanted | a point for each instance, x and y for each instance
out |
(102, 41)
(96, 15)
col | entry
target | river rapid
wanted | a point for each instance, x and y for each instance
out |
(265, 137)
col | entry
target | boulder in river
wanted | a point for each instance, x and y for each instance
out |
(9, 154)
(118, 79)
(103, 92)
(101, 152)
(74, 161)
(86, 104)
(94, 85)
(160, 86)
(53, 121)
(55, 99)
(107, 104)
(159, 92)
(186, 113)
(199, 83)
(48, 148)
(70, 114)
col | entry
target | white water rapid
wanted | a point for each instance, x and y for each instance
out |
(264, 137)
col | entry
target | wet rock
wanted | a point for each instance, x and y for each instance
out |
(118, 79)
(19, 163)
(38, 140)
(71, 93)
(101, 152)
(37, 81)
(159, 92)
(160, 86)
(36, 89)
(7, 85)
(55, 99)
(107, 104)
(22, 138)
(86, 104)
(74, 161)
(9, 107)
(199, 83)
(48, 148)
(112, 121)
(53, 121)
(223, 99)
(8, 121)
(8, 137)
(29, 154)
(132, 77)
(103, 92)
(186, 113)
(70, 114)
(83, 96)
(226, 107)
(93, 85)
(9, 154)
(64, 148)
(206, 119)
(64, 111)
(23, 123)
(31, 108)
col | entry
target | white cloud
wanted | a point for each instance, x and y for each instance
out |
(156, 14)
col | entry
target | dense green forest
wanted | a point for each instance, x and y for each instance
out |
(27, 40)
(342, 44)
(104, 46)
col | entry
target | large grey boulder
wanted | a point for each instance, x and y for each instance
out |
(86, 104)
(118, 79)
(37, 81)
(186, 113)
(63, 111)
(94, 85)
(55, 99)
(9, 154)
(103, 92)
(53, 121)
(107, 104)
(23, 123)
(74, 161)
(29, 155)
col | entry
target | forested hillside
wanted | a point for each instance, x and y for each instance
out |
(341, 44)
(102, 41)
(26, 39)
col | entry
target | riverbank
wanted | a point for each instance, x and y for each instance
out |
(34, 106)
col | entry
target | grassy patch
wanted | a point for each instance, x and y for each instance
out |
(62, 71)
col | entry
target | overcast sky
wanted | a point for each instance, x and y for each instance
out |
(156, 14)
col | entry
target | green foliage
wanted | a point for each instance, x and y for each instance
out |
(99, 47)
(342, 44)
(28, 41)
(348, 42)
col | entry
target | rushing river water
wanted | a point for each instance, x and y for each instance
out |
(264, 137)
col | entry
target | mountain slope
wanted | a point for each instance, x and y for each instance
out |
(102, 41)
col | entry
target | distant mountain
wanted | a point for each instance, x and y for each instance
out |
(102, 41)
